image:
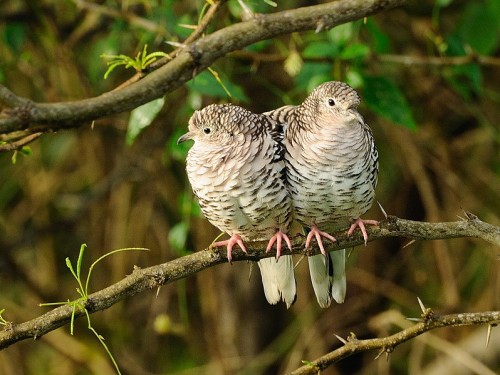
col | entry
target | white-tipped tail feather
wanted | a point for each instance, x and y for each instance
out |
(278, 279)
(328, 277)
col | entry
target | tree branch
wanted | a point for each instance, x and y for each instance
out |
(386, 345)
(152, 277)
(24, 114)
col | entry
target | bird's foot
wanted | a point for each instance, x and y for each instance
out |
(361, 224)
(279, 237)
(315, 232)
(234, 240)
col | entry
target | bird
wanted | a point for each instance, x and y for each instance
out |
(332, 171)
(236, 169)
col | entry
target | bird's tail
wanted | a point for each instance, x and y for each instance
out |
(328, 277)
(278, 279)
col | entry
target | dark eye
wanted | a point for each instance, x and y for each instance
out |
(207, 130)
(331, 102)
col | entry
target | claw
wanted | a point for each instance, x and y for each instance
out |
(315, 232)
(278, 238)
(235, 239)
(361, 224)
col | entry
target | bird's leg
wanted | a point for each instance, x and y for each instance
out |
(235, 239)
(361, 224)
(315, 232)
(278, 238)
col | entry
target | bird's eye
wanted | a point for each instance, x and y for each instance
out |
(331, 102)
(207, 130)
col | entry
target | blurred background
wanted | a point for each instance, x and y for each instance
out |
(428, 74)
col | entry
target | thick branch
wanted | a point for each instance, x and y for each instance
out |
(196, 56)
(152, 277)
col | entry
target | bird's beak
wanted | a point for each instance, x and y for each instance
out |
(185, 137)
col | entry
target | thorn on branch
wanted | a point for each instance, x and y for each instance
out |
(321, 24)
(488, 334)
(341, 339)
(427, 313)
(470, 216)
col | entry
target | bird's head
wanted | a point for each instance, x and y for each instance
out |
(331, 102)
(218, 124)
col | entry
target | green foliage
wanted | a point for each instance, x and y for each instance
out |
(141, 117)
(3, 322)
(83, 291)
(25, 151)
(206, 83)
(141, 61)
(14, 35)
(384, 98)
(479, 27)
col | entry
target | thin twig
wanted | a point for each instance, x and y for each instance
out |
(16, 145)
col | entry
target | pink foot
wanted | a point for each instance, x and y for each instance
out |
(315, 232)
(235, 239)
(361, 224)
(278, 238)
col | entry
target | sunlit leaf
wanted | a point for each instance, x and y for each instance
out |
(293, 63)
(142, 117)
(341, 34)
(386, 99)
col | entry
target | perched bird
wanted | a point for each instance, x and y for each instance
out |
(236, 168)
(332, 168)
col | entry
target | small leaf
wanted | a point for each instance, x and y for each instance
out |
(443, 3)
(354, 50)
(381, 42)
(177, 236)
(312, 74)
(341, 34)
(271, 3)
(206, 84)
(320, 49)
(70, 266)
(385, 99)
(26, 151)
(141, 118)
(479, 26)
(293, 63)
(80, 260)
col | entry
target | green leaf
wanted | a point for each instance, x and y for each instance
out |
(312, 74)
(381, 42)
(443, 3)
(320, 49)
(385, 99)
(177, 236)
(80, 260)
(354, 51)
(479, 26)
(466, 80)
(293, 63)
(141, 118)
(26, 151)
(206, 84)
(14, 35)
(342, 34)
